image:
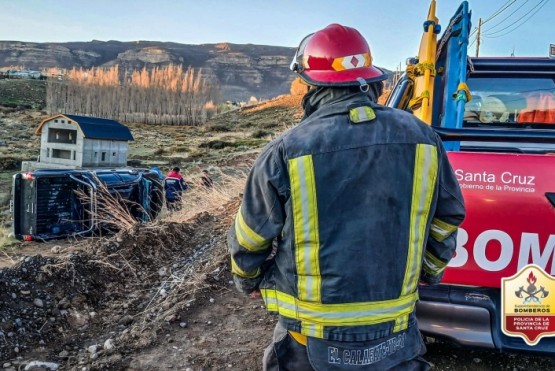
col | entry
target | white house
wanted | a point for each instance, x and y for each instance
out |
(70, 141)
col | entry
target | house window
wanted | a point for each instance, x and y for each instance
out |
(62, 136)
(113, 154)
(55, 120)
(63, 121)
(96, 155)
(48, 152)
(61, 153)
(73, 155)
(103, 156)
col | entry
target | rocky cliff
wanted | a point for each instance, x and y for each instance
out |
(241, 71)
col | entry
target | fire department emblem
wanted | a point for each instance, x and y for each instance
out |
(528, 309)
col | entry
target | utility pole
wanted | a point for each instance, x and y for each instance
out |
(478, 37)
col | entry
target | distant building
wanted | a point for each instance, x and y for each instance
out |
(70, 141)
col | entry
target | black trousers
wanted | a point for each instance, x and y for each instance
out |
(286, 354)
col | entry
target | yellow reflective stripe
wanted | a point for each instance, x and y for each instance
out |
(314, 330)
(440, 230)
(270, 299)
(433, 265)
(235, 269)
(401, 323)
(424, 180)
(305, 222)
(348, 314)
(248, 238)
(361, 114)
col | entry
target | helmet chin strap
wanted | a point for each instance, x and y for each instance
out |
(364, 87)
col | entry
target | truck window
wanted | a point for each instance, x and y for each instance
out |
(511, 101)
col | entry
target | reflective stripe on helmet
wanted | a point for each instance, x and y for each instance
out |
(351, 61)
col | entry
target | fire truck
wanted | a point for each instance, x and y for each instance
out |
(496, 117)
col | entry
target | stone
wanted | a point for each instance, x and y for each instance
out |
(109, 345)
(77, 320)
(38, 303)
(126, 320)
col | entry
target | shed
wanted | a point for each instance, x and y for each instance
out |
(82, 141)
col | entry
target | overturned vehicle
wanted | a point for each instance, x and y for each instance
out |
(49, 204)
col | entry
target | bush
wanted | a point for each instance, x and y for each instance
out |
(159, 151)
(219, 128)
(180, 149)
(261, 133)
(269, 125)
(246, 124)
(216, 144)
(251, 143)
(10, 163)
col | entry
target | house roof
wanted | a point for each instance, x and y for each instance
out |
(95, 127)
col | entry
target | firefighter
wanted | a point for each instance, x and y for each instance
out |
(342, 216)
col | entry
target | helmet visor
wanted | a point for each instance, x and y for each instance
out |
(296, 64)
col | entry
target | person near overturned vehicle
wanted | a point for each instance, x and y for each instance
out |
(363, 205)
(174, 185)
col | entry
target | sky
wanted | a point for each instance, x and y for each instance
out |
(393, 28)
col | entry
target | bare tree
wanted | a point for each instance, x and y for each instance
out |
(166, 95)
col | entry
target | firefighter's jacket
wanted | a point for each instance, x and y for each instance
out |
(363, 204)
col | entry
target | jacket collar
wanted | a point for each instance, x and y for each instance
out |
(320, 97)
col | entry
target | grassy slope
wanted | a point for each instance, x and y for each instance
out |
(23, 93)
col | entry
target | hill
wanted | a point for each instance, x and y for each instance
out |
(241, 70)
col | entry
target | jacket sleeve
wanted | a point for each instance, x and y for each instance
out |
(259, 220)
(449, 214)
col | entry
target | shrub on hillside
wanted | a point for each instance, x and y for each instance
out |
(9, 163)
(269, 125)
(219, 128)
(261, 133)
(216, 144)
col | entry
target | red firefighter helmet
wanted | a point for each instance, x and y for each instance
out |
(336, 56)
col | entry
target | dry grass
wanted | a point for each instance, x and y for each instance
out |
(111, 211)
(6, 238)
(199, 199)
